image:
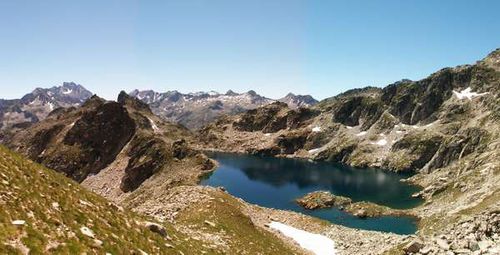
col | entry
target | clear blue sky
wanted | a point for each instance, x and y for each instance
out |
(308, 47)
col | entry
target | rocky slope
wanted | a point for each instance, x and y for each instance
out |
(35, 106)
(445, 128)
(120, 150)
(194, 110)
(81, 142)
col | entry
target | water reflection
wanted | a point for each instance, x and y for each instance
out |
(276, 182)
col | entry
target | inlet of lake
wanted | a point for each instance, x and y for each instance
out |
(277, 182)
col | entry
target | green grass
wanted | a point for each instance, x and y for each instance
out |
(28, 191)
(229, 221)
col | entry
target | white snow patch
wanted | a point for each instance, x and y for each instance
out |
(316, 243)
(267, 134)
(348, 127)
(380, 142)
(153, 125)
(312, 151)
(399, 132)
(18, 222)
(361, 133)
(316, 129)
(51, 106)
(67, 91)
(467, 93)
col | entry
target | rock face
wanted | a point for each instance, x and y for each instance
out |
(194, 110)
(322, 199)
(298, 101)
(37, 105)
(406, 126)
(81, 142)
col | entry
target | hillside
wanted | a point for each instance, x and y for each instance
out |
(194, 110)
(45, 212)
(445, 129)
(121, 151)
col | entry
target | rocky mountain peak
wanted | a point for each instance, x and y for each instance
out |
(231, 93)
(127, 100)
(493, 60)
(252, 93)
(36, 105)
(296, 101)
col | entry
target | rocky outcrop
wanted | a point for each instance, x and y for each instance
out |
(479, 234)
(322, 199)
(147, 156)
(99, 135)
(413, 151)
(84, 141)
(264, 119)
(460, 145)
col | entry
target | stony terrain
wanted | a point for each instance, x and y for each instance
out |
(322, 199)
(194, 110)
(445, 128)
(35, 106)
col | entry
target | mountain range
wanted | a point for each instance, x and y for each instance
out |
(443, 131)
(35, 106)
(194, 110)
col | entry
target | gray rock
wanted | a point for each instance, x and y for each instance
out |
(443, 244)
(426, 250)
(414, 246)
(157, 228)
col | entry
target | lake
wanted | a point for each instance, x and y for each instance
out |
(277, 182)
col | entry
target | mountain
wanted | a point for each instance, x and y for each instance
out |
(444, 129)
(81, 142)
(297, 101)
(36, 105)
(194, 110)
(124, 153)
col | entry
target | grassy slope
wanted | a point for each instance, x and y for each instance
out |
(237, 230)
(28, 192)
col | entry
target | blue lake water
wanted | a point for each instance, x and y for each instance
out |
(277, 182)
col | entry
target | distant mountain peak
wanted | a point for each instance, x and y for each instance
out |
(296, 101)
(36, 105)
(197, 109)
(231, 93)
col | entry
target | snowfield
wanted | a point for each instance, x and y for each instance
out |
(316, 243)
(153, 125)
(467, 93)
(312, 151)
(362, 133)
(380, 142)
(316, 129)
